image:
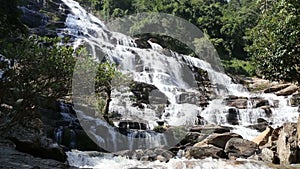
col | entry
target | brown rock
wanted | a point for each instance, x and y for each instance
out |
(218, 140)
(287, 146)
(263, 138)
(276, 88)
(204, 152)
(237, 147)
(287, 91)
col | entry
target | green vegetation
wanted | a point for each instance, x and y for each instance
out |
(33, 67)
(259, 32)
(276, 43)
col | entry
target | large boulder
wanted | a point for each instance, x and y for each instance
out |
(204, 152)
(218, 140)
(13, 159)
(287, 144)
(263, 137)
(238, 147)
(276, 88)
(287, 91)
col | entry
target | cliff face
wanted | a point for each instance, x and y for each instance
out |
(43, 17)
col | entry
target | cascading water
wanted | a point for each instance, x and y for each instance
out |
(171, 75)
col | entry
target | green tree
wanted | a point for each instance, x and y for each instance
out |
(276, 43)
(39, 67)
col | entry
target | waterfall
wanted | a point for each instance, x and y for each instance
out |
(171, 75)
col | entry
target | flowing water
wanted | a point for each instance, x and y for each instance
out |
(171, 75)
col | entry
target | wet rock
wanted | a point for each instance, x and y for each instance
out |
(261, 125)
(287, 147)
(260, 102)
(201, 121)
(233, 116)
(295, 100)
(218, 140)
(13, 159)
(33, 18)
(130, 124)
(241, 148)
(267, 110)
(276, 88)
(192, 138)
(209, 129)
(263, 138)
(204, 152)
(147, 93)
(287, 91)
(237, 102)
(142, 43)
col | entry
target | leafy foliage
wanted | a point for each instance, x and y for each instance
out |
(276, 43)
(39, 66)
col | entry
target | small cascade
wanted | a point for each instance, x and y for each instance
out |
(59, 134)
(64, 132)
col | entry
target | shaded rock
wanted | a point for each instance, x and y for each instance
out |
(260, 102)
(142, 43)
(233, 116)
(237, 147)
(267, 110)
(260, 126)
(218, 140)
(276, 88)
(263, 138)
(13, 159)
(287, 147)
(295, 100)
(287, 91)
(33, 18)
(193, 137)
(204, 152)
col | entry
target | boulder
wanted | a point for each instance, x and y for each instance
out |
(268, 155)
(263, 137)
(287, 144)
(276, 88)
(218, 140)
(204, 151)
(238, 147)
(13, 159)
(287, 91)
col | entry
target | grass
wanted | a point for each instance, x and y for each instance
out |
(238, 67)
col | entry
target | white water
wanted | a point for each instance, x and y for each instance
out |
(101, 161)
(172, 76)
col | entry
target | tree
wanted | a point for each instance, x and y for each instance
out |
(39, 67)
(276, 43)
